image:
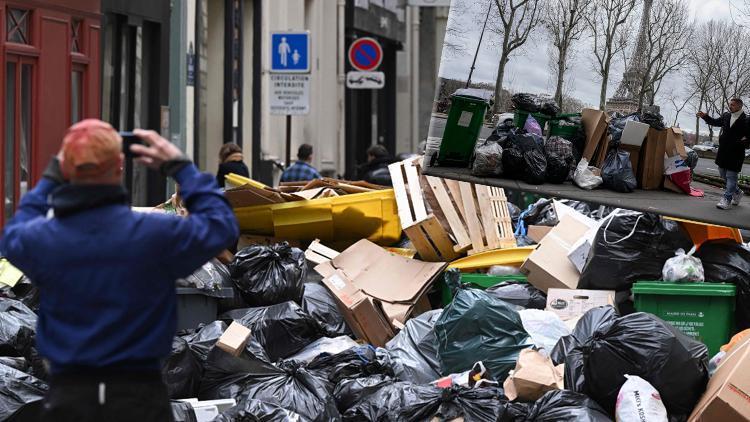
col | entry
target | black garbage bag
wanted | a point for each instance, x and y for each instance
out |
(287, 384)
(542, 212)
(181, 371)
(252, 410)
(566, 406)
(414, 350)
(283, 329)
(17, 328)
(24, 291)
(267, 275)
(514, 212)
(558, 169)
(350, 391)
(725, 261)
(536, 167)
(617, 171)
(550, 108)
(404, 401)
(514, 165)
(520, 294)
(356, 362)
(653, 119)
(210, 277)
(318, 302)
(525, 102)
(500, 133)
(692, 158)
(488, 160)
(203, 340)
(569, 349)
(18, 389)
(17, 363)
(182, 412)
(631, 246)
(641, 344)
(476, 326)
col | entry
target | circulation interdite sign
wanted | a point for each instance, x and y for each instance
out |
(365, 54)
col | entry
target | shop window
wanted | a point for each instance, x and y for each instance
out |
(18, 115)
(17, 24)
(76, 95)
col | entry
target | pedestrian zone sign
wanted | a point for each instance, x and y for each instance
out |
(290, 52)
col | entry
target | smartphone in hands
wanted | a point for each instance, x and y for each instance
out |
(128, 139)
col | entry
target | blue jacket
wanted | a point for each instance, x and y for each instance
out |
(106, 274)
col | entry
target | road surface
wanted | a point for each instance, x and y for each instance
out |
(708, 167)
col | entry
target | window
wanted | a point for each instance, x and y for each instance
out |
(17, 24)
(17, 149)
(75, 36)
(76, 95)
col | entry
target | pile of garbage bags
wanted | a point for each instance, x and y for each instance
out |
(535, 104)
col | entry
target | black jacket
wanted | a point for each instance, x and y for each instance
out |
(376, 171)
(731, 153)
(236, 167)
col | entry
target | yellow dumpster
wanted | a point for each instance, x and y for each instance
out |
(370, 215)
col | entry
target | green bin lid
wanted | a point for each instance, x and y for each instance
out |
(486, 280)
(684, 289)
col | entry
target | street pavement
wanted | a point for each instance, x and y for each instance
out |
(708, 167)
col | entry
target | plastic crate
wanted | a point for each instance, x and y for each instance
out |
(704, 311)
(482, 281)
(195, 306)
(520, 116)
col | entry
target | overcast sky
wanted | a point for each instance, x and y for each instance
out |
(529, 71)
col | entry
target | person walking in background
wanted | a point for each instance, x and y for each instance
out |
(106, 274)
(375, 170)
(302, 170)
(230, 161)
(735, 132)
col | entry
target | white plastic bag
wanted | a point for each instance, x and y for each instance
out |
(324, 345)
(502, 270)
(683, 268)
(544, 327)
(638, 401)
(584, 176)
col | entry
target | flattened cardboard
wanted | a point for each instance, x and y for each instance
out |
(595, 126)
(675, 144)
(635, 156)
(535, 374)
(727, 397)
(248, 195)
(651, 169)
(537, 233)
(571, 304)
(548, 265)
(318, 253)
(234, 339)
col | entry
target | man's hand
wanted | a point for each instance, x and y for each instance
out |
(700, 114)
(158, 152)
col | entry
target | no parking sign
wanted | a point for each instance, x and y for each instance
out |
(365, 54)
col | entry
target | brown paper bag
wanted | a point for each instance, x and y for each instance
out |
(535, 374)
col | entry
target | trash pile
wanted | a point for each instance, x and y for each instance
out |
(591, 149)
(483, 311)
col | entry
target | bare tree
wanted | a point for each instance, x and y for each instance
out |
(607, 24)
(668, 38)
(679, 102)
(564, 22)
(455, 42)
(703, 61)
(513, 21)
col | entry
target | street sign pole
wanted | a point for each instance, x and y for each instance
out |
(288, 139)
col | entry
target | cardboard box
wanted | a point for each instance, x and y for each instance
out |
(595, 124)
(537, 233)
(234, 339)
(548, 265)
(318, 253)
(580, 250)
(675, 144)
(391, 283)
(651, 170)
(727, 397)
(634, 133)
(535, 374)
(361, 313)
(570, 304)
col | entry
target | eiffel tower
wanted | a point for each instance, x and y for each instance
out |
(625, 100)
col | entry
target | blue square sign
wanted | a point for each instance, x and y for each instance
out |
(290, 52)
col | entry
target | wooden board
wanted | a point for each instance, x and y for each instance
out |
(412, 179)
(489, 221)
(402, 198)
(439, 238)
(472, 221)
(449, 210)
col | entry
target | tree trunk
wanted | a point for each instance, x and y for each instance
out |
(603, 92)
(562, 53)
(499, 83)
(698, 122)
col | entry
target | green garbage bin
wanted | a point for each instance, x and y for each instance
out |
(462, 129)
(704, 311)
(483, 281)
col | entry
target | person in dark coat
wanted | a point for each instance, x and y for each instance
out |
(375, 170)
(733, 140)
(230, 161)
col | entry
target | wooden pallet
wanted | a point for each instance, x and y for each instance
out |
(474, 218)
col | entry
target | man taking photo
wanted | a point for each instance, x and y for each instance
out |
(106, 274)
(731, 154)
